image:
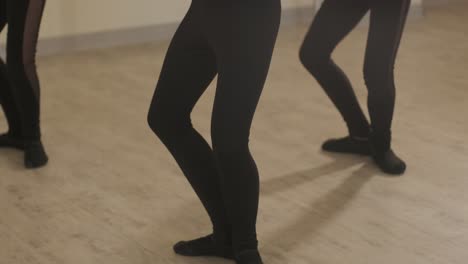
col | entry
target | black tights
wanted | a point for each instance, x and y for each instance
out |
(19, 84)
(234, 40)
(334, 20)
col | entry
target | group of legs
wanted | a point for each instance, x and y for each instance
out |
(19, 84)
(235, 40)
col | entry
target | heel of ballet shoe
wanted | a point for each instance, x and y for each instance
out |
(35, 155)
(384, 156)
(390, 163)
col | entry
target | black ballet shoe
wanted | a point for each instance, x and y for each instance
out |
(203, 247)
(34, 155)
(249, 257)
(348, 145)
(390, 163)
(9, 140)
(384, 156)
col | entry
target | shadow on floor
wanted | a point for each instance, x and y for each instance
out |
(316, 216)
(320, 213)
(289, 181)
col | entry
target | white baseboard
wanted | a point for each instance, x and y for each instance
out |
(106, 39)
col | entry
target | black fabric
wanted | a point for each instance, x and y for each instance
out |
(7, 140)
(334, 20)
(19, 85)
(204, 246)
(387, 160)
(348, 145)
(234, 39)
(249, 257)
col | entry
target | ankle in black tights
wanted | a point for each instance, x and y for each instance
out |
(204, 247)
(384, 156)
(389, 162)
(249, 257)
(34, 155)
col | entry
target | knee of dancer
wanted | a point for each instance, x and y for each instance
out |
(313, 60)
(380, 83)
(379, 80)
(228, 145)
(166, 126)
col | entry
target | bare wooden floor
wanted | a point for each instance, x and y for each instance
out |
(113, 195)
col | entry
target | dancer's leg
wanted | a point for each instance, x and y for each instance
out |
(243, 40)
(189, 67)
(12, 138)
(24, 19)
(386, 27)
(333, 22)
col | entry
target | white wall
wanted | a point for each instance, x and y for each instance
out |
(64, 18)
(72, 17)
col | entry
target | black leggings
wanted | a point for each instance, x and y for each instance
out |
(234, 39)
(334, 20)
(19, 85)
